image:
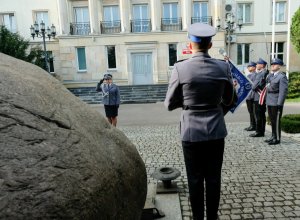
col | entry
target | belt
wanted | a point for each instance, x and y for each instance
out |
(205, 107)
(274, 92)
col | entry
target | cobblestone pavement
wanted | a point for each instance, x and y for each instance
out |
(258, 181)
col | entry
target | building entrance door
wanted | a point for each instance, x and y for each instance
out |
(142, 68)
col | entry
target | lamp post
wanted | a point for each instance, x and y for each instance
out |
(230, 27)
(40, 31)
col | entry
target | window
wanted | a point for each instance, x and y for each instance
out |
(42, 16)
(200, 9)
(243, 53)
(81, 59)
(9, 21)
(170, 13)
(111, 15)
(141, 21)
(111, 57)
(81, 15)
(245, 12)
(172, 54)
(280, 9)
(278, 50)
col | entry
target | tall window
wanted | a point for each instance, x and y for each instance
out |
(81, 59)
(111, 57)
(245, 12)
(278, 52)
(81, 14)
(8, 20)
(172, 54)
(42, 16)
(280, 9)
(141, 18)
(111, 14)
(200, 9)
(243, 53)
(170, 11)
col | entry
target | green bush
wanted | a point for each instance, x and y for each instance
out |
(294, 85)
(291, 123)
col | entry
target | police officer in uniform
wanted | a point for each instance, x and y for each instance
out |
(250, 98)
(277, 88)
(260, 109)
(203, 87)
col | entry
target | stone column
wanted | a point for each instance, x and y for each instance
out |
(155, 8)
(64, 26)
(125, 15)
(186, 13)
(94, 21)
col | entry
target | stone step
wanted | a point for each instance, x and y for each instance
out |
(129, 93)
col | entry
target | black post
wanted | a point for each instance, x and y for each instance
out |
(45, 52)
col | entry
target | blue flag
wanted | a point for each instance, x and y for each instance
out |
(241, 83)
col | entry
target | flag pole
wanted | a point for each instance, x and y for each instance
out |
(288, 40)
(273, 29)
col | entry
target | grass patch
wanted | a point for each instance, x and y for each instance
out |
(291, 123)
(293, 100)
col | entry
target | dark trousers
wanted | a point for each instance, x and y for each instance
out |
(275, 114)
(260, 114)
(203, 161)
(250, 107)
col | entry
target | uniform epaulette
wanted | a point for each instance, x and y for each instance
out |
(283, 73)
(178, 61)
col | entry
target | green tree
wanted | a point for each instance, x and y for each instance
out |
(14, 45)
(295, 30)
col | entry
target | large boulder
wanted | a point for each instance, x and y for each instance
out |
(60, 159)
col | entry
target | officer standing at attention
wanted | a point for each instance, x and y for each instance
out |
(200, 85)
(260, 110)
(250, 98)
(277, 88)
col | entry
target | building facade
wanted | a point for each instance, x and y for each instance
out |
(138, 41)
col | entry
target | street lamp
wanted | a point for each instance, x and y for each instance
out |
(40, 31)
(230, 27)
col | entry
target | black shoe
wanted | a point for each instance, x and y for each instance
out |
(256, 134)
(250, 128)
(274, 142)
(270, 139)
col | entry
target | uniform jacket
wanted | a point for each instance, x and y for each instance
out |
(259, 83)
(200, 81)
(110, 94)
(251, 94)
(277, 88)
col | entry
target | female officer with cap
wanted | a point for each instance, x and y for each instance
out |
(277, 88)
(199, 85)
(110, 98)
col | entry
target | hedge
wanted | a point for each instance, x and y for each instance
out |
(294, 85)
(290, 123)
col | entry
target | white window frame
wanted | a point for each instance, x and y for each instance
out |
(244, 61)
(112, 17)
(9, 21)
(77, 60)
(171, 11)
(40, 16)
(81, 15)
(276, 52)
(201, 4)
(242, 15)
(277, 11)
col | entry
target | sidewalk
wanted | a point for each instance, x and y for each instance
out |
(259, 181)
